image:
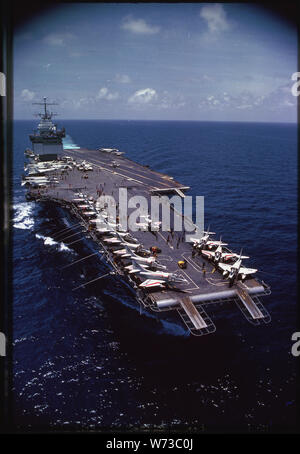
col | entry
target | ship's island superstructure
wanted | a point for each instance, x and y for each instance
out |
(47, 140)
(166, 274)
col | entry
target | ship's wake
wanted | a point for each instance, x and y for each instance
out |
(48, 241)
(23, 218)
(69, 143)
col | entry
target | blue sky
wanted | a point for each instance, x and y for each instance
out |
(183, 61)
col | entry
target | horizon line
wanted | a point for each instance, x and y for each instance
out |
(145, 119)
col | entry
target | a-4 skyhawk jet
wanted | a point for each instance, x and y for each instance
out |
(219, 256)
(233, 272)
(153, 278)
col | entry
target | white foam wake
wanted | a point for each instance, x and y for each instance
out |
(68, 143)
(48, 241)
(23, 218)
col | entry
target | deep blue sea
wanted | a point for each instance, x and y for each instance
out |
(89, 360)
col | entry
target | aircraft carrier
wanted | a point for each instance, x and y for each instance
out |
(168, 275)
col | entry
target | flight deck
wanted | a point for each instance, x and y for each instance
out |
(201, 283)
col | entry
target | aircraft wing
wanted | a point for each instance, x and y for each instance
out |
(226, 256)
(208, 254)
(225, 267)
(139, 266)
(152, 283)
(112, 240)
(216, 243)
(233, 255)
(121, 252)
(132, 269)
(144, 260)
(244, 270)
(130, 245)
(103, 230)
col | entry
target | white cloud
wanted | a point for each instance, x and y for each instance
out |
(224, 100)
(78, 103)
(157, 100)
(139, 26)
(215, 17)
(104, 93)
(259, 100)
(27, 95)
(143, 96)
(171, 101)
(226, 97)
(112, 96)
(123, 78)
(280, 98)
(58, 39)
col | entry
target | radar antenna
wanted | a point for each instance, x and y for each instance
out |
(46, 114)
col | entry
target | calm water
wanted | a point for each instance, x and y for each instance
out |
(88, 359)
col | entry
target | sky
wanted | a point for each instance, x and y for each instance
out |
(182, 61)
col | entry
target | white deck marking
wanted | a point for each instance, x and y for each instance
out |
(125, 176)
(219, 282)
(193, 288)
(166, 258)
(113, 172)
(124, 168)
(180, 215)
(191, 262)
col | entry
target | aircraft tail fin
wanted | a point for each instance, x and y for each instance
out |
(137, 265)
(208, 232)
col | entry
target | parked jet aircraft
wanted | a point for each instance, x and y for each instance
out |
(236, 270)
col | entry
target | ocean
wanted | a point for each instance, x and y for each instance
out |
(88, 360)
